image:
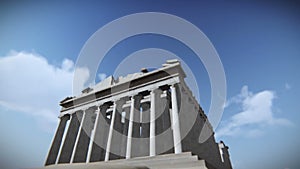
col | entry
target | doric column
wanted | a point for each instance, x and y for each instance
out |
(166, 113)
(137, 117)
(57, 142)
(175, 121)
(68, 145)
(85, 135)
(152, 151)
(110, 132)
(144, 147)
(77, 137)
(134, 123)
(130, 126)
(63, 141)
(166, 127)
(163, 132)
(93, 135)
(159, 105)
(116, 140)
(145, 120)
(125, 132)
(101, 134)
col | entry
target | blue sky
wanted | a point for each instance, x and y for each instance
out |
(258, 43)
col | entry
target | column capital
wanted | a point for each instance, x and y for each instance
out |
(104, 105)
(115, 99)
(173, 85)
(136, 96)
(145, 104)
(155, 90)
(92, 107)
(119, 101)
(65, 117)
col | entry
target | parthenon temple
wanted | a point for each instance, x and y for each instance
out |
(149, 119)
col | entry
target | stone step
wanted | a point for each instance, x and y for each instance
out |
(167, 161)
(178, 165)
(100, 165)
(166, 157)
(150, 158)
(160, 162)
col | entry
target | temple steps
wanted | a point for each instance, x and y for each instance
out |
(167, 161)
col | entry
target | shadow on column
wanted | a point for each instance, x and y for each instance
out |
(145, 125)
(85, 135)
(53, 153)
(136, 133)
(99, 144)
(115, 149)
(68, 146)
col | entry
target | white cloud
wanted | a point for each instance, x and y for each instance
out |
(102, 76)
(256, 112)
(29, 84)
(67, 64)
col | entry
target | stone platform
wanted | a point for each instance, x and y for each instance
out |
(167, 161)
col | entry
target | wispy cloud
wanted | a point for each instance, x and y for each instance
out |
(31, 85)
(256, 112)
(102, 76)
